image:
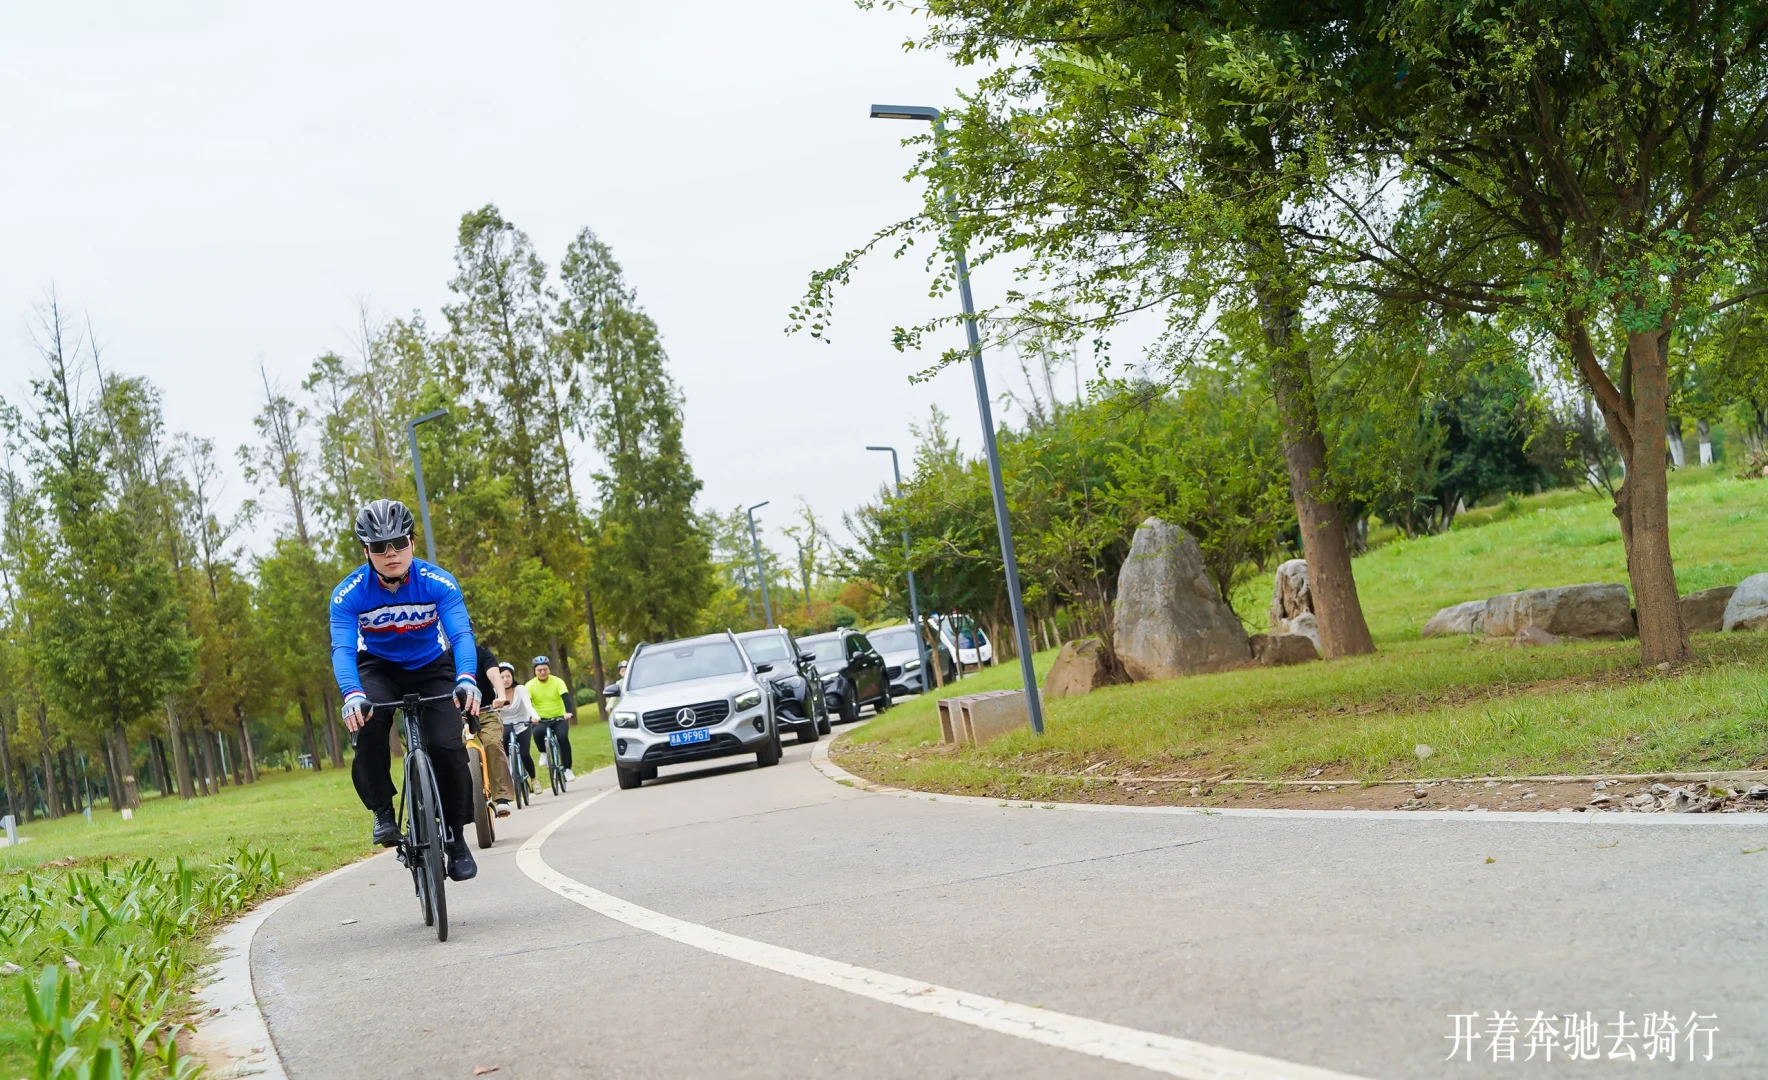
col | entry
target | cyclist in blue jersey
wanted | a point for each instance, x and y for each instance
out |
(399, 626)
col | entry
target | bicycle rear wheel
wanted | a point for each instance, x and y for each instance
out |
(429, 850)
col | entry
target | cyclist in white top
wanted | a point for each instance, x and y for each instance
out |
(517, 714)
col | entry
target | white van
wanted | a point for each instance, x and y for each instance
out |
(964, 638)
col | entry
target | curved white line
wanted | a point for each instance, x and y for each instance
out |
(819, 758)
(1157, 1053)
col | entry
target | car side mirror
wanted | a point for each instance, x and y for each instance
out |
(763, 669)
(612, 691)
(807, 657)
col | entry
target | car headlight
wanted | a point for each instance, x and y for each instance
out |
(626, 719)
(912, 665)
(748, 699)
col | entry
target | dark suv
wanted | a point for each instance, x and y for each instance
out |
(793, 676)
(852, 672)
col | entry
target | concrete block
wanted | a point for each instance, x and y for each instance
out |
(989, 716)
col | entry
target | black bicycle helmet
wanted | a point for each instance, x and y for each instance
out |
(384, 519)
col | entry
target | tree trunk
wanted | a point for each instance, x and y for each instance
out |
(76, 794)
(6, 770)
(180, 752)
(309, 737)
(595, 656)
(1704, 432)
(126, 795)
(210, 784)
(165, 766)
(333, 743)
(51, 786)
(248, 754)
(1643, 506)
(1337, 608)
(1673, 435)
(113, 777)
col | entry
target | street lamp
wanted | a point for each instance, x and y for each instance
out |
(760, 571)
(1021, 633)
(417, 468)
(914, 604)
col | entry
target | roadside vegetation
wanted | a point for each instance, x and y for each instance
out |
(1483, 707)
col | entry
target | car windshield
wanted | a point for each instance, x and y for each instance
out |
(658, 666)
(770, 649)
(827, 651)
(895, 640)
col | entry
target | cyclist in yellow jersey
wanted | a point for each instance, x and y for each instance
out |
(549, 696)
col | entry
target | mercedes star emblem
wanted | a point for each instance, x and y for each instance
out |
(686, 717)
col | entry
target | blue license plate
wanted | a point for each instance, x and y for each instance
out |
(683, 738)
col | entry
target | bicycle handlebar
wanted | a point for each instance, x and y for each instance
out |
(411, 700)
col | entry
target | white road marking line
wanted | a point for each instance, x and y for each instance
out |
(1157, 1053)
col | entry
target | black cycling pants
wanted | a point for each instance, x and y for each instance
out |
(383, 680)
(560, 726)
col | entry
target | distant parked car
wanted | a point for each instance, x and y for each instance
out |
(902, 659)
(797, 685)
(689, 700)
(965, 639)
(852, 672)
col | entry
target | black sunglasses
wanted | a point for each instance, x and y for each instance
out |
(381, 547)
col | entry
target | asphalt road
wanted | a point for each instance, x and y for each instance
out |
(1344, 943)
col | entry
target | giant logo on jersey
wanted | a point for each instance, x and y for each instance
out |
(398, 619)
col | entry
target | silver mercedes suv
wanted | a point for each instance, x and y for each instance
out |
(689, 700)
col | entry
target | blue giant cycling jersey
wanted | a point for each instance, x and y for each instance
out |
(409, 626)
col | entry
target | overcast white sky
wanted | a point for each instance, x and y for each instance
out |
(216, 182)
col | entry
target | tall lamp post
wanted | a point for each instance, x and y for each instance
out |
(417, 469)
(1021, 633)
(914, 602)
(760, 571)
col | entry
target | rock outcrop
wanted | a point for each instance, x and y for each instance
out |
(1748, 607)
(1705, 610)
(1467, 618)
(1080, 668)
(1579, 611)
(1281, 650)
(1170, 621)
(1292, 603)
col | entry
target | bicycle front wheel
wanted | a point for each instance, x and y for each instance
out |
(554, 770)
(429, 851)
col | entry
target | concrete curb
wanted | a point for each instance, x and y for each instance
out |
(819, 757)
(231, 1035)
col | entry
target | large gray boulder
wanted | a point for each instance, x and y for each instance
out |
(1170, 622)
(1467, 618)
(1579, 611)
(1292, 603)
(1705, 610)
(1748, 607)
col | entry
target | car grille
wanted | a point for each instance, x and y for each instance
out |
(706, 713)
(894, 671)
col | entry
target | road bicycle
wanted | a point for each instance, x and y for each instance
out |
(555, 769)
(422, 830)
(484, 810)
(512, 749)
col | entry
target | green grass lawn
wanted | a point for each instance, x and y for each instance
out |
(1484, 708)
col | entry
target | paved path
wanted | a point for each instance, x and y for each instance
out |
(1342, 944)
